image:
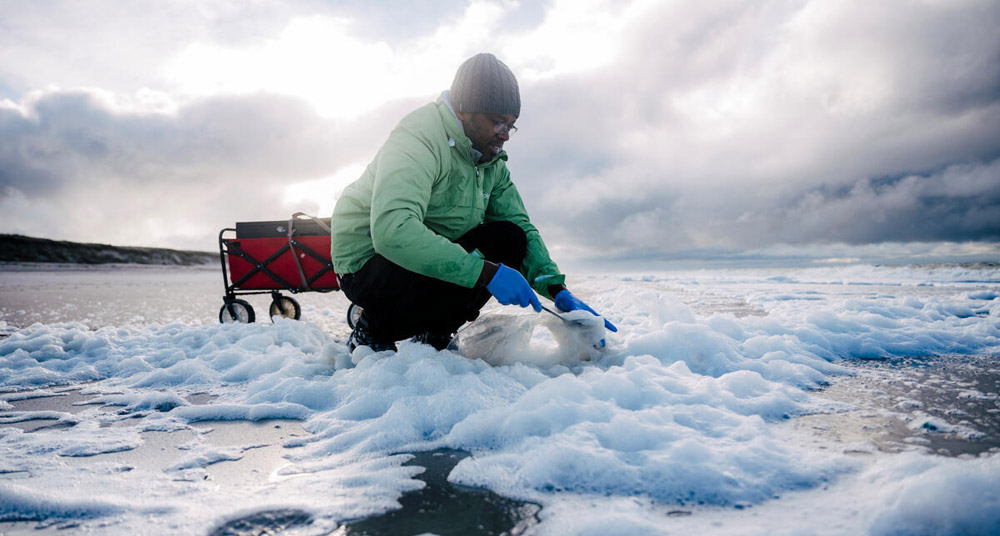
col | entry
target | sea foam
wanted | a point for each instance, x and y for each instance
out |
(682, 408)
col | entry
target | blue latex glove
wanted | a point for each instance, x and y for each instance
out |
(509, 287)
(566, 302)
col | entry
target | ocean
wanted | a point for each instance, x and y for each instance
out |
(850, 399)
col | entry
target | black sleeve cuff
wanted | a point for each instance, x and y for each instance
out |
(555, 289)
(489, 270)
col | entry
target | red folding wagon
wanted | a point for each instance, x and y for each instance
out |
(268, 257)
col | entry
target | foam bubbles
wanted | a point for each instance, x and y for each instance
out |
(682, 408)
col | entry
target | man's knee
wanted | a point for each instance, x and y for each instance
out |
(515, 237)
(500, 241)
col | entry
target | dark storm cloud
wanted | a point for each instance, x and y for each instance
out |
(64, 137)
(959, 203)
(207, 164)
(749, 124)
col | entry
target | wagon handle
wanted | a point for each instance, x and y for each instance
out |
(291, 243)
(318, 221)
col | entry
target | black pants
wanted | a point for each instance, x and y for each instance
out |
(399, 304)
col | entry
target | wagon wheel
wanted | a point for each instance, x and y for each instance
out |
(285, 307)
(353, 314)
(236, 311)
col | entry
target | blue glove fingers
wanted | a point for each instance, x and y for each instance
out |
(565, 301)
(527, 297)
(509, 287)
(535, 304)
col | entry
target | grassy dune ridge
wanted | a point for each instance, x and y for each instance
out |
(19, 248)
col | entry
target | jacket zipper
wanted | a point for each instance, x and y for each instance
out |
(478, 193)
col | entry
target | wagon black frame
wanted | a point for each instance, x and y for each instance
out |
(237, 310)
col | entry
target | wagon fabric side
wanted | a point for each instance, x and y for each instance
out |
(273, 256)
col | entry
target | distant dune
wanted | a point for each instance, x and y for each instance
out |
(18, 248)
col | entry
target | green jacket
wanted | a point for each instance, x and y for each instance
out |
(423, 191)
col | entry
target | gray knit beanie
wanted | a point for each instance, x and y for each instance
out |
(483, 84)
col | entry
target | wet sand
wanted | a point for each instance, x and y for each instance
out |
(440, 507)
(946, 405)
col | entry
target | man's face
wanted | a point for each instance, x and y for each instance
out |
(488, 132)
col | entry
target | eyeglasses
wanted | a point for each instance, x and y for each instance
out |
(500, 128)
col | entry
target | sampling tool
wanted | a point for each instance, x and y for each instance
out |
(571, 323)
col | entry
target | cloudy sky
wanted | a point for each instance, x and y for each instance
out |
(650, 129)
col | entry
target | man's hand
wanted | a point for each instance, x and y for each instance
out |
(509, 287)
(566, 302)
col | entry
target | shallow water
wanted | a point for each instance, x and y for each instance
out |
(445, 509)
(946, 405)
(117, 295)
